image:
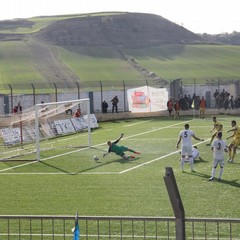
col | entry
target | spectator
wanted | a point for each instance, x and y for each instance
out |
(170, 107)
(218, 101)
(238, 101)
(231, 102)
(202, 107)
(78, 113)
(104, 106)
(226, 103)
(176, 109)
(15, 109)
(115, 101)
(186, 102)
(19, 106)
(196, 102)
(69, 111)
(216, 95)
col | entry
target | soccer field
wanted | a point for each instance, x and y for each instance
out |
(111, 186)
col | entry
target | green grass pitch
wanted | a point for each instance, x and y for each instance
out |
(111, 186)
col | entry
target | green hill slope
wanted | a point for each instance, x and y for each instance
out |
(190, 61)
(107, 47)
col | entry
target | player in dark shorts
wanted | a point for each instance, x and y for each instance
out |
(119, 150)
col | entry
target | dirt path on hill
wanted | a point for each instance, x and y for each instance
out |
(49, 64)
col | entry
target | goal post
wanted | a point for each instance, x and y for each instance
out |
(47, 130)
(58, 119)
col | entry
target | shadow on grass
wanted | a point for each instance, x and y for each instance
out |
(196, 161)
(100, 164)
(55, 167)
(233, 183)
(123, 161)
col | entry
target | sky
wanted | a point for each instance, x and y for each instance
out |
(198, 16)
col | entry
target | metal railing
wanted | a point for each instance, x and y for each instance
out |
(16, 227)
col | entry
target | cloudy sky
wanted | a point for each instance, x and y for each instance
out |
(198, 16)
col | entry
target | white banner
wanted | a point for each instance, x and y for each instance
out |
(147, 99)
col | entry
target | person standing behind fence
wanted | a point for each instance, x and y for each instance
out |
(104, 106)
(115, 101)
(202, 107)
(176, 109)
(218, 148)
(170, 107)
(78, 113)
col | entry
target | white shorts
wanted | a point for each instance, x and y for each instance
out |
(217, 161)
(186, 150)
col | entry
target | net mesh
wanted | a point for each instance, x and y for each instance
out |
(61, 127)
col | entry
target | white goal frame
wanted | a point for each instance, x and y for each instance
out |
(42, 105)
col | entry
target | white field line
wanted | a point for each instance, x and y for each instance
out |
(133, 124)
(78, 150)
(156, 159)
(61, 173)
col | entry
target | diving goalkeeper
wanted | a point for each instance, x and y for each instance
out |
(119, 150)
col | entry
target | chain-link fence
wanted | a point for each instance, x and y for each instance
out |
(29, 94)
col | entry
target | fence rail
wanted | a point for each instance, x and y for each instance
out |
(17, 227)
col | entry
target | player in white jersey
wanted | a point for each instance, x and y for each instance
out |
(186, 136)
(219, 146)
(196, 153)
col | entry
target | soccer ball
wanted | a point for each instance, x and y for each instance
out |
(95, 157)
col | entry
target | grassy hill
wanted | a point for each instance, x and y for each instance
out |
(108, 47)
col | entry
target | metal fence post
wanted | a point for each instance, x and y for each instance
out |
(101, 90)
(11, 90)
(34, 94)
(176, 202)
(78, 90)
(56, 92)
(124, 96)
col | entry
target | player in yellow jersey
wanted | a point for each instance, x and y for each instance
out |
(217, 127)
(235, 142)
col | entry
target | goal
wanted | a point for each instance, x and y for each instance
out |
(59, 119)
(47, 130)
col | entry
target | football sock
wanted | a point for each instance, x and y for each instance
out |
(191, 163)
(182, 163)
(220, 173)
(213, 172)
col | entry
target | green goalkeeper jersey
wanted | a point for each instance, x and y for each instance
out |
(119, 150)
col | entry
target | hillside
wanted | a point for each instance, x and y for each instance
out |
(126, 30)
(107, 47)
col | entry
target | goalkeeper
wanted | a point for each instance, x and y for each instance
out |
(119, 150)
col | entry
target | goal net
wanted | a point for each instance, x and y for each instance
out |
(47, 130)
